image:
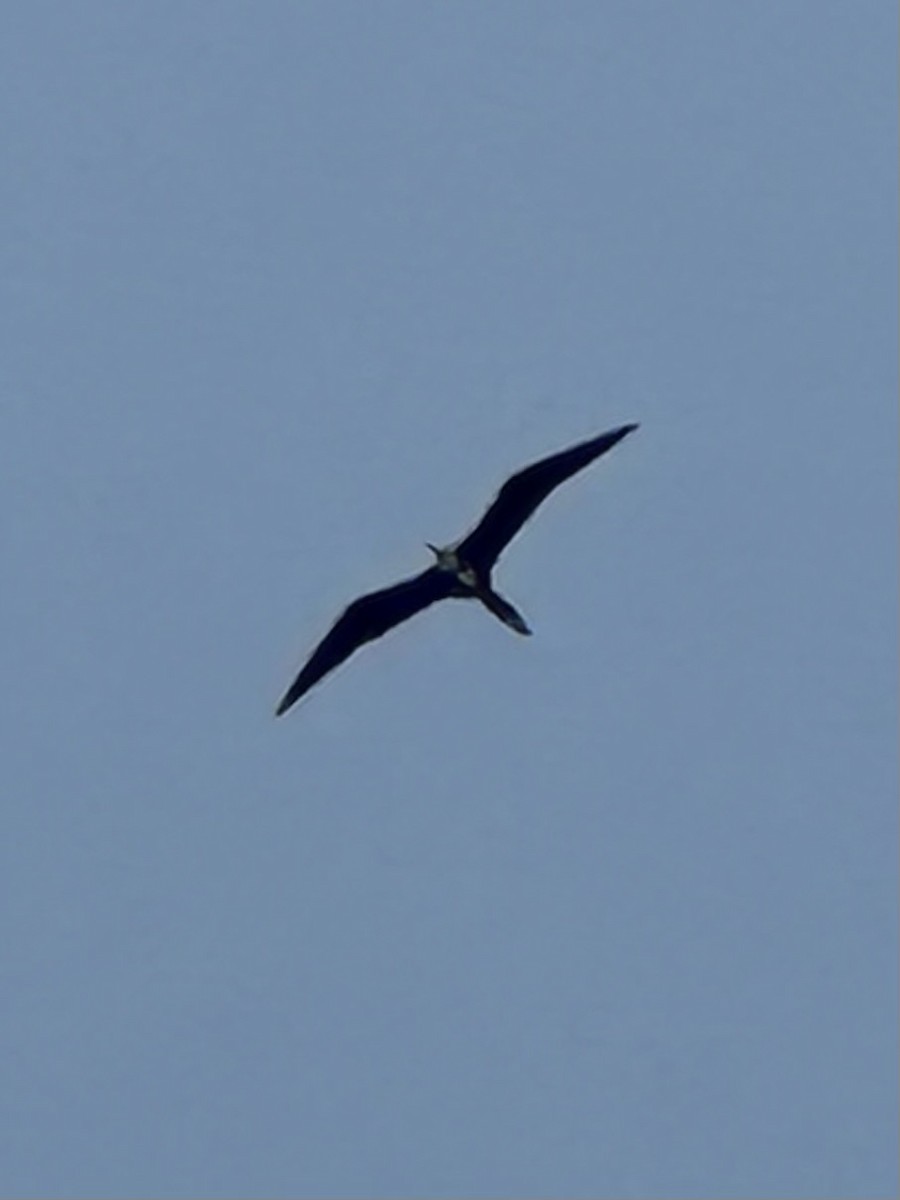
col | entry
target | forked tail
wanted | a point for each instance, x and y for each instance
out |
(503, 609)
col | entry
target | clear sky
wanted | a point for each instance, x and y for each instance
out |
(288, 289)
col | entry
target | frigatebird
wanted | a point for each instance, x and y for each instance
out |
(462, 569)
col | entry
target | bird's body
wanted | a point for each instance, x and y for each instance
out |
(462, 569)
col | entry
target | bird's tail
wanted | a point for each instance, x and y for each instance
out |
(504, 610)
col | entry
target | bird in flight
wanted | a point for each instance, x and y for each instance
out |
(461, 569)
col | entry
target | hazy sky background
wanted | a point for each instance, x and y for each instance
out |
(287, 290)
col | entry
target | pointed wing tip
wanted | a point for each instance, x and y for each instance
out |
(616, 435)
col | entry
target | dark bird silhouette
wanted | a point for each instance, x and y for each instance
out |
(462, 568)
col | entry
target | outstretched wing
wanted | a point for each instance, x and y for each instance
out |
(523, 492)
(366, 619)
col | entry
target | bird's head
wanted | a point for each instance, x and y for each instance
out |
(446, 557)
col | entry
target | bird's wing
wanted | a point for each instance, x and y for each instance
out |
(364, 620)
(523, 492)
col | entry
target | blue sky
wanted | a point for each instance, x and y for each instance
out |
(288, 290)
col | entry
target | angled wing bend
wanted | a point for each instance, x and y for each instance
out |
(365, 620)
(523, 492)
